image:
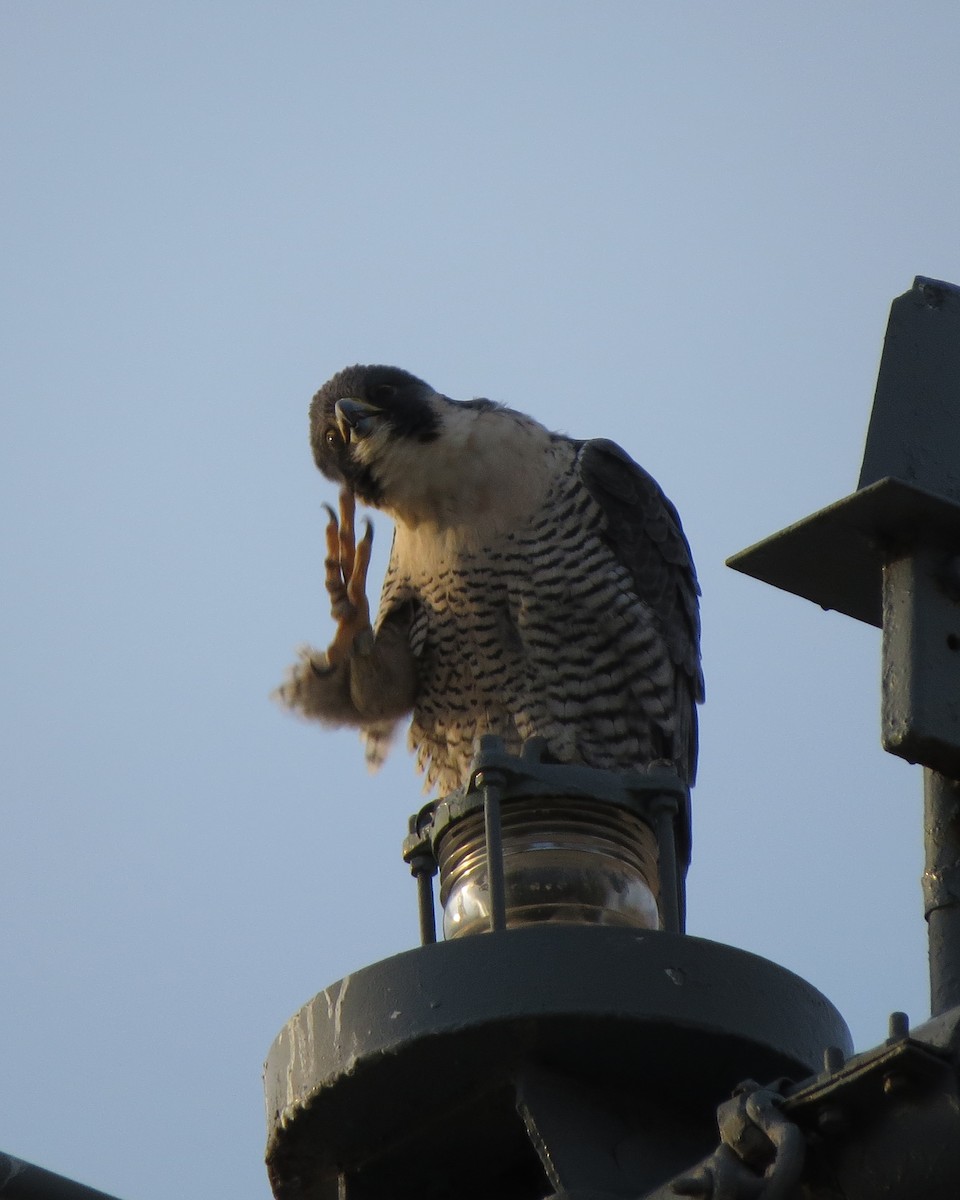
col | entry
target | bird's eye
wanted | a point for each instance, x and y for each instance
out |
(332, 438)
(384, 391)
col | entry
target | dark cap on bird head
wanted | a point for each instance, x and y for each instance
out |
(355, 404)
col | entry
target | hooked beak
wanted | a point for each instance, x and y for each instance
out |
(355, 418)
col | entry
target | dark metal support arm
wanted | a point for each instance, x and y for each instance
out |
(889, 554)
(21, 1180)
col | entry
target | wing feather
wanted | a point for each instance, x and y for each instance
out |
(644, 532)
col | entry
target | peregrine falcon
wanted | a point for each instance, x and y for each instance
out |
(537, 586)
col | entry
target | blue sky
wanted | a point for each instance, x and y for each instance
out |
(680, 226)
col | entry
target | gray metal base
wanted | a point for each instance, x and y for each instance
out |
(545, 1059)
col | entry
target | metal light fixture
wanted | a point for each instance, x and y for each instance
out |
(528, 841)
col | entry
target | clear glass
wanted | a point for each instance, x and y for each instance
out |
(568, 860)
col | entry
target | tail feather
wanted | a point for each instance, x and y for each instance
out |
(377, 739)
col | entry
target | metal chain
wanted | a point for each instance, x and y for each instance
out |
(761, 1152)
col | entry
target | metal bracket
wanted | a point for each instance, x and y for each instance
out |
(889, 553)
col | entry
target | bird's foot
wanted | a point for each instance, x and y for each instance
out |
(347, 564)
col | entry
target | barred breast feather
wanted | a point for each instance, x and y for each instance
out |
(579, 624)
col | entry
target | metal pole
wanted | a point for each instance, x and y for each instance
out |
(941, 887)
(494, 839)
(428, 922)
(21, 1180)
(669, 889)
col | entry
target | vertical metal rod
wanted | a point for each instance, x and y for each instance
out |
(941, 887)
(428, 922)
(494, 840)
(667, 870)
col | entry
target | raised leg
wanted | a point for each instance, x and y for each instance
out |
(360, 679)
(347, 563)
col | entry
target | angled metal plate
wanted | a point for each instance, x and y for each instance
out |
(836, 556)
(914, 432)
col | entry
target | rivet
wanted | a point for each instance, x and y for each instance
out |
(833, 1059)
(898, 1026)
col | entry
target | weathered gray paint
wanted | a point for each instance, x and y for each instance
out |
(439, 1046)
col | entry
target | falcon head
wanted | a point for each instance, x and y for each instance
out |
(365, 421)
(416, 454)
